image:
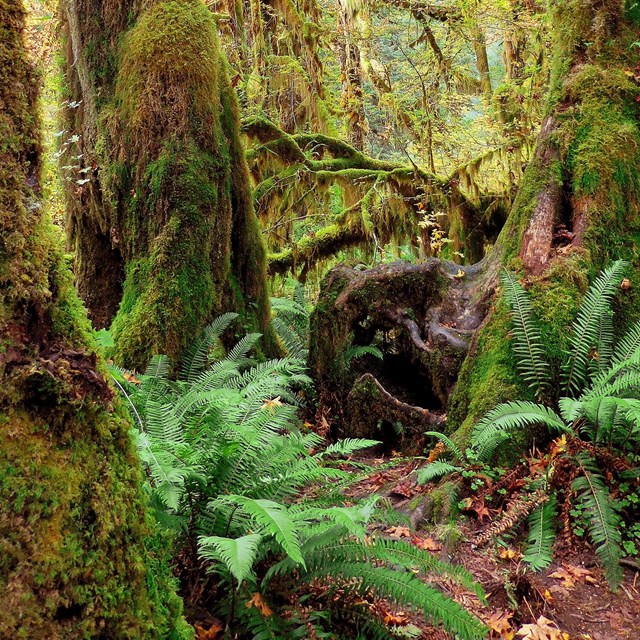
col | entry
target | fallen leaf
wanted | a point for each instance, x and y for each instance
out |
(271, 404)
(258, 602)
(208, 634)
(542, 629)
(499, 624)
(396, 619)
(570, 575)
(399, 532)
(427, 544)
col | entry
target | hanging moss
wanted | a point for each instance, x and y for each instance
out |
(74, 533)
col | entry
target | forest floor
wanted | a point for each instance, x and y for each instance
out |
(569, 600)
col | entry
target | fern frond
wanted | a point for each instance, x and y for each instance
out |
(588, 327)
(274, 520)
(497, 425)
(447, 442)
(347, 446)
(528, 344)
(408, 591)
(628, 345)
(197, 356)
(436, 470)
(238, 555)
(604, 521)
(542, 535)
(355, 352)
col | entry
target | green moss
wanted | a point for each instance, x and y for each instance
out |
(73, 524)
(191, 243)
(488, 377)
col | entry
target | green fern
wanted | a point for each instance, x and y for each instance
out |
(437, 470)
(604, 521)
(226, 464)
(542, 535)
(237, 554)
(589, 330)
(498, 424)
(528, 343)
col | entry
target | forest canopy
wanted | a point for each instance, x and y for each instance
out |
(319, 319)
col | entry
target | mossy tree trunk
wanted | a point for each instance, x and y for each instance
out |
(577, 209)
(74, 535)
(160, 216)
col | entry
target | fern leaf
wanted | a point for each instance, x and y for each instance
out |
(448, 442)
(604, 521)
(628, 345)
(408, 591)
(347, 446)
(539, 552)
(196, 359)
(588, 326)
(238, 555)
(496, 426)
(528, 344)
(436, 470)
(274, 520)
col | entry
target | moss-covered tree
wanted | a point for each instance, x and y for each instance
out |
(577, 209)
(76, 557)
(160, 215)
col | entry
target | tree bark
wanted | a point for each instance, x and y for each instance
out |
(76, 557)
(577, 209)
(163, 195)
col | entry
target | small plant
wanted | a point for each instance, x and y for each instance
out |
(231, 472)
(598, 419)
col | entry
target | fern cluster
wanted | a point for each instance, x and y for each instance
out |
(228, 467)
(601, 406)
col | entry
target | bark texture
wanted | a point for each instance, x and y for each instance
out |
(162, 225)
(76, 557)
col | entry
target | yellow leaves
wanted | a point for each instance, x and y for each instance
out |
(499, 624)
(542, 629)
(570, 575)
(258, 602)
(459, 275)
(399, 532)
(509, 554)
(271, 405)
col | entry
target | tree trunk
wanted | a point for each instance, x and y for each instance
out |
(74, 535)
(162, 194)
(577, 209)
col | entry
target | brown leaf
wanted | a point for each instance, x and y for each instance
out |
(258, 602)
(399, 532)
(542, 629)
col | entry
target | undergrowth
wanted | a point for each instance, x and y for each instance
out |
(256, 508)
(585, 471)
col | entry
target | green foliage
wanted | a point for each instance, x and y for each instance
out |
(606, 413)
(291, 322)
(604, 521)
(542, 535)
(227, 464)
(592, 328)
(527, 341)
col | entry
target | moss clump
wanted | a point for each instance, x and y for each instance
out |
(74, 560)
(186, 228)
